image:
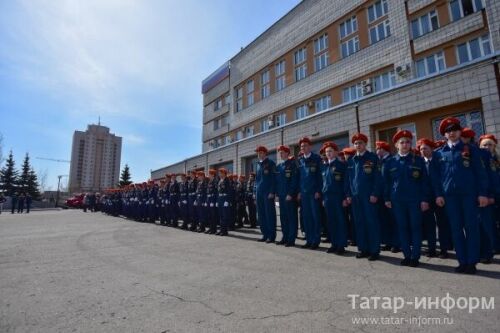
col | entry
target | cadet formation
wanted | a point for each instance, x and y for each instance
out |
(445, 192)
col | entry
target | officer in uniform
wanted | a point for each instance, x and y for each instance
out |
(241, 211)
(183, 201)
(265, 189)
(250, 200)
(461, 184)
(363, 188)
(224, 200)
(334, 199)
(407, 193)
(211, 202)
(192, 210)
(287, 191)
(201, 201)
(173, 207)
(351, 228)
(388, 228)
(311, 184)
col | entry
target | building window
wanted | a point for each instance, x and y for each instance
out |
(301, 111)
(430, 65)
(249, 131)
(265, 87)
(227, 99)
(321, 52)
(218, 104)
(473, 119)
(300, 56)
(377, 10)
(239, 135)
(228, 139)
(300, 72)
(299, 60)
(250, 89)
(379, 32)
(348, 27)
(216, 124)
(349, 47)
(424, 24)
(387, 134)
(383, 81)
(461, 8)
(264, 125)
(323, 103)
(473, 49)
(280, 120)
(352, 93)
(280, 75)
(239, 99)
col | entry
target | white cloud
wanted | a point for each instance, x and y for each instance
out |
(133, 139)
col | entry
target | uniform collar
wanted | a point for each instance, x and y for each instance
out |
(307, 156)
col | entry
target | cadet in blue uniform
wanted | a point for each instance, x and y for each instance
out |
(192, 210)
(201, 201)
(388, 228)
(487, 143)
(311, 184)
(334, 199)
(460, 184)
(265, 189)
(363, 189)
(173, 209)
(224, 200)
(211, 202)
(183, 201)
(287, 190)
(250, 200)
(240, 198)
(407, 194)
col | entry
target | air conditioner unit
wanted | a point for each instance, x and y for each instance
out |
(403, 69)
(310, 104)
(270, 121)
(366, 86)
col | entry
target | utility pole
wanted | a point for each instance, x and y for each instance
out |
(58, 186)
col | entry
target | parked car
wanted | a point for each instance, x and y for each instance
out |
(75, 201)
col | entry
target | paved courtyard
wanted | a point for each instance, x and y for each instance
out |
(69, 271)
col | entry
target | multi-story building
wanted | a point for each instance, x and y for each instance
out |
(95, 159)
(330, 68)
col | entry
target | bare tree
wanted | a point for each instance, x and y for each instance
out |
(42, 179)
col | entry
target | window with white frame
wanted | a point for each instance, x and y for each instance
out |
(280, 119)
(265, 87)
(218, 104)
(250, 90)
(264, 125)
(239, 99)
(377, 10)
(249, 131)
(280, 75)
(352, 93)
(301, 111)
(228, 139)
(380, 31)
(383, 81)
(227, 99)
(321, 52)
(473, 49)
(239, 135)
(350, 46)
(323, 103)
(424, 24)
(348, 27)
(299, 61)
(430, 64)
(462, 8)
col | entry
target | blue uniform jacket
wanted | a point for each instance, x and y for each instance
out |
(265, 180)
(288, 178)
(333, 177)
(310, 178)
(490, 164)
(363, 175)
(460, 171)
(406, 179)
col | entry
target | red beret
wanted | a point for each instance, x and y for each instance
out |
(242, 177)
(200, 173)
(223, 170)
(488, 136)
(358, 137)
(144, 183)
(212, 171)
(182, 174)
(349, 151)
(286, 149)
(322, 151)
(330, 144)
(468, 133)
(425, 141)
(261, 149)
(234, 176)
(449, 123)
(382, 145)
(402, 134)
(305, 140)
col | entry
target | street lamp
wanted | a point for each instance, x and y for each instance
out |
(58, 185)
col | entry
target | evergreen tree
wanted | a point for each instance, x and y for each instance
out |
(33, 185)
(9, 176)
(125, 176)
(25, 175)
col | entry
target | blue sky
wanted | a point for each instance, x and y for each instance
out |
(136, 64)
